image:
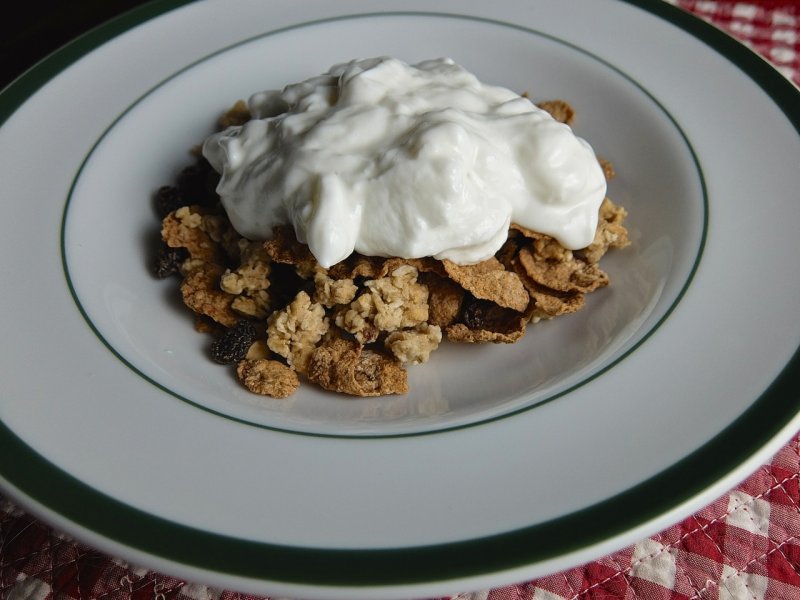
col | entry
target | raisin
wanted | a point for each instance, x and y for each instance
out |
(198, 183)
(167, 199)
(169, 261)
(475, 313)
(232, 344)
(488, 316)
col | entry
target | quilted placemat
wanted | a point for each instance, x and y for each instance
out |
(743, 546)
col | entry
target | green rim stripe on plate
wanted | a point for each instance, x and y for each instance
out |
(237, 557)
(592, 376)
(35, 477)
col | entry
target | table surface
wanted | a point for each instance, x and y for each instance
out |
(745, 545)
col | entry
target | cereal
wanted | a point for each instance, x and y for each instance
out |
(238, 114)
(611, 232)
(267, 377)
(357, 265)
(206, 236)
(549, 303)
(332, 292)
(414, 346)
(608, 169)
(201, 293)
(388, 303)
(258, 350)
(489, 280)
(444, 299)
(295, 331)
(284, 248)
(249, 282)
(355, 327)
(561, 111)
(566, 275)
(346, 366)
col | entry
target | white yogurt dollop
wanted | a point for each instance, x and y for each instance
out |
(390, 159)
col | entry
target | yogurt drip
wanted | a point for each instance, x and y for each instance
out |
(390, 159)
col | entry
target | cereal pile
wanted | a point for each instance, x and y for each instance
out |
(276, 315)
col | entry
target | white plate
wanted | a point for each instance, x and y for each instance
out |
(503, 463)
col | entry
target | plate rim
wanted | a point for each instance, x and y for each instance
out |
(761, 428)
(617, 357)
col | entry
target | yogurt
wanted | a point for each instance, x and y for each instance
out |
(389, 159)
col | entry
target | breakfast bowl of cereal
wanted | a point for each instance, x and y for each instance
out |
(335, 302)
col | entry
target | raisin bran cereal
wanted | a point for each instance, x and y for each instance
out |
(279, 318)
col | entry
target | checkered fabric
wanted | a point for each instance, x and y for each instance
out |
(743, 546)
(770, 27)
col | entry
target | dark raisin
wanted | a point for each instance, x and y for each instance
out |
(167, 199)
(198, 183)
(169, 261)
(488, 316)
(232, 344)
(476, 313)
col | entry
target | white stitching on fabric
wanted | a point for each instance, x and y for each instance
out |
(569, 585)
(701, 528)
(753, 561)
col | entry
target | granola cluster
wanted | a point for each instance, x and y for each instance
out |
(354, 328)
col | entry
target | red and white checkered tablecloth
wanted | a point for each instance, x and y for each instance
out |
(743, 546)
(770, 27)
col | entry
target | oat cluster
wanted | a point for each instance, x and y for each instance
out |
(280, 318)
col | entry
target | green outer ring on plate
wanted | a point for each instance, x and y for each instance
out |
(35, 477)
(525, 407)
